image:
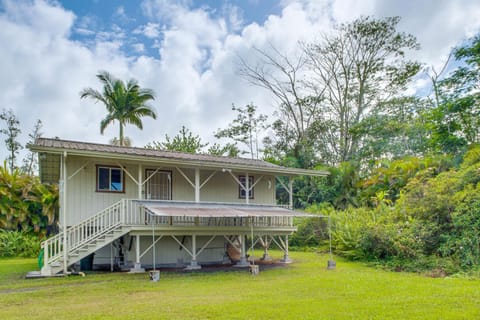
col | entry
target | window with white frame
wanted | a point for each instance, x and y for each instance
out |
(241, 191)
(110, 179)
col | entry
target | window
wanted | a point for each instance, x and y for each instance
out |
(241, 191)
(109, 179)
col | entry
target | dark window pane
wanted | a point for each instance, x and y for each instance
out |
(116, 180)
(241, 191)
(103, 179)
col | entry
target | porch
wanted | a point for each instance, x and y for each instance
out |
(157, 220)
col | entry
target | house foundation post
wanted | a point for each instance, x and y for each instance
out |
(265, 244)
(137, 267)
(193, 263)
(286, 257)
(243, 254)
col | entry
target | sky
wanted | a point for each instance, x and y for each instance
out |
(186, 51)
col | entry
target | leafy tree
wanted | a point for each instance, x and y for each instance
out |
(12, 131)
(357, 68)
(30, 161)
(125, 102)
(326, 91)
(229, 150)
(184, 141)
(455, 118)
(395, 129)
(245, 128)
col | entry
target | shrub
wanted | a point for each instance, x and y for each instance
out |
(18, 244)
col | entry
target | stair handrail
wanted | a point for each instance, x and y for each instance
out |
(83, 232)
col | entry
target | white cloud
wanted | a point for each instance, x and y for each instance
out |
(195, 77)
(150, 30)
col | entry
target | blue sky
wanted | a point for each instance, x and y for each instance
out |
(186, 51)
(107, 17)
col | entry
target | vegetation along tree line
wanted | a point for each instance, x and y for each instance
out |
(405, 169)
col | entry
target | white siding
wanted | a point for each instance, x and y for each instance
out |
(84, 201)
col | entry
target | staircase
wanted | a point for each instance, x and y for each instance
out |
(84, 238)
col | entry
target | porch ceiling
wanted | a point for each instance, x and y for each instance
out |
(219, 210)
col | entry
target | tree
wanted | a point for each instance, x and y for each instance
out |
(30, 161)
(125, 103)
(284, 78)
(356, 69)
(326, 91)
(127, 142)
(12, 131)
(395, 129)
(245, 128)
(184, 141)
(229, 150)
(455, 118)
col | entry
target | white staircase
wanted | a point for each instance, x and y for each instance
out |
(84, 238)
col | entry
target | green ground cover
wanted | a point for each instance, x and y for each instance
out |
(303, 290)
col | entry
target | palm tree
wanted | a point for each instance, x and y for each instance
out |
(124, 103)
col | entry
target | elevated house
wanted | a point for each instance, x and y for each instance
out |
(138, 208)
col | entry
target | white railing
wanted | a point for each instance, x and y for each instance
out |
(84, 232)
(133, 213)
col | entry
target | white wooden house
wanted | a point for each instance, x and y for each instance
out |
(140, 207)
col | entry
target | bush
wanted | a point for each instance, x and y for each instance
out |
(18, 244)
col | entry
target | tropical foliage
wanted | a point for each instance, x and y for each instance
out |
(26, 204)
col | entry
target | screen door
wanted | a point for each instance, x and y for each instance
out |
(159, 185)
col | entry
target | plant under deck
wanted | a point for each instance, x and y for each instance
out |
(303, 290)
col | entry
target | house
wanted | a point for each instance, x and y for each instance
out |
(139, 208)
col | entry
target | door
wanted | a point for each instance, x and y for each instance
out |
(159, 185)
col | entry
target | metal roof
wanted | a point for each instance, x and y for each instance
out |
(58, 146)
(219, 210)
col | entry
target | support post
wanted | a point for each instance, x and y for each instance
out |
(243, 254)
(197, 185)
(137, 267)
(193, 263)
(64, 212)
(286, 257)
(140, 181)
(290, 193)
(265, 245)
(247, 189)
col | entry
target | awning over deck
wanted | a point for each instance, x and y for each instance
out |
(219, 210)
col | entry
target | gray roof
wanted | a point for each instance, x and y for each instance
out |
(58, 146)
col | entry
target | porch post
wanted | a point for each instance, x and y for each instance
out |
(64, 211)
(140, 181)
(197, 185)
(247, 187)
(290, 193)
(137, 267)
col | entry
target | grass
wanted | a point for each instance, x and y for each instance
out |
(303, 290)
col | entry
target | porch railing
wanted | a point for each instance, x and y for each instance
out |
(132, 213)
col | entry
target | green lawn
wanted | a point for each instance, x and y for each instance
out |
(303, 290)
